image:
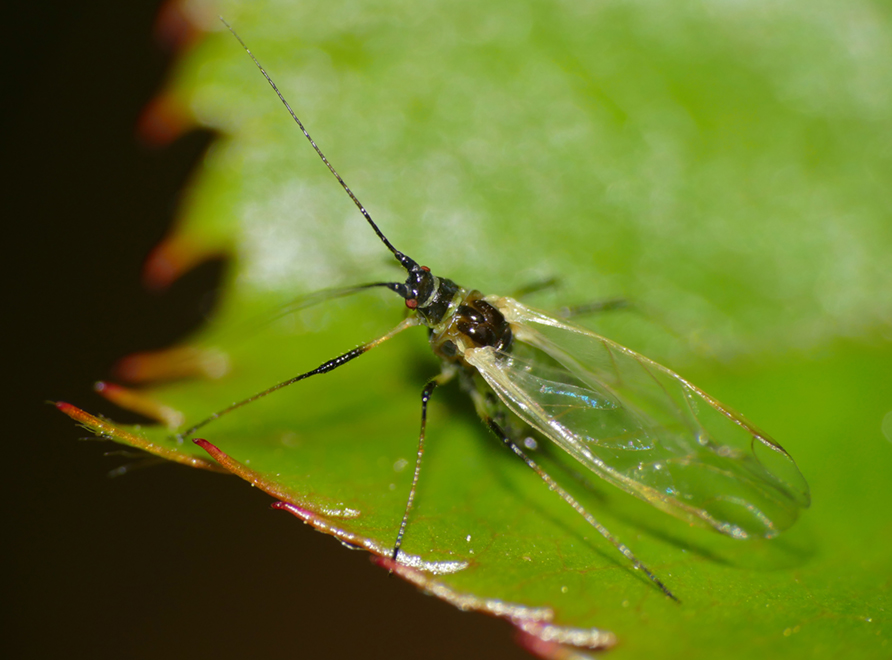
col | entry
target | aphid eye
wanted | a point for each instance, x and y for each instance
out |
(425, 269)
(411, 303)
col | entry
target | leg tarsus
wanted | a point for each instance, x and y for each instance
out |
(426, 393)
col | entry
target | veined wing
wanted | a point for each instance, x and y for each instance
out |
(643, 427)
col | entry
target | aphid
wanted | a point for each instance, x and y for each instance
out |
(625, 418)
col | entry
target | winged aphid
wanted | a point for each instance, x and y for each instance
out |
(622, 416)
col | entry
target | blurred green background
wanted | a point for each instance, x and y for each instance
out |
(724, 166)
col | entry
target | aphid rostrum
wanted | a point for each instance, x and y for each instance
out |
(623, 417)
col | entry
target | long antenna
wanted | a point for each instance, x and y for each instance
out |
(399, 255)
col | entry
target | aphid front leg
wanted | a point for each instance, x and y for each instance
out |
(444, 377)
(569, 499)
(323, 368)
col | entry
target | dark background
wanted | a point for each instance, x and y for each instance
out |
(166, 561)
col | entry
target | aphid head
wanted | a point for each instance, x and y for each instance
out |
(420, 284)
(430, 296)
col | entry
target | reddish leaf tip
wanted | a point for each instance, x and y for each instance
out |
(176, 25)
(164, 266)
(163, 120)
(221, 457)
(174, 256)
(171, 364)
(139, 402)
(94, 424)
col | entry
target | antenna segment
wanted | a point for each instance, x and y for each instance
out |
(403, 259)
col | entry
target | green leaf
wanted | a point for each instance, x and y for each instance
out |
(724, 166)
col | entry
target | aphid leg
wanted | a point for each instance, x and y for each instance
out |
(569, 499)
(594, 307)
(318, 297)
(330, 365)
(535, 287)
(426, 393)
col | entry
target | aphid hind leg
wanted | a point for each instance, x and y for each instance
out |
(571, 311)
(594, 307)
(426, 393)
(569, 499)
(535, 286)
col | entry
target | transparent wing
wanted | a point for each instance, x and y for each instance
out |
(643, 427)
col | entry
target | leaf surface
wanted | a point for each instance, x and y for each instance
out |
(723, 166)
